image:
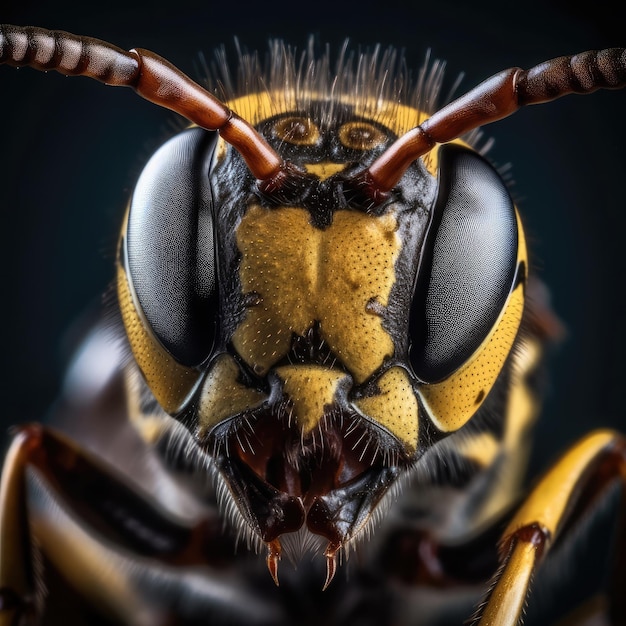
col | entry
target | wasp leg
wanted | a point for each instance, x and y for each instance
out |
(568, 491)
(17, 576)
(127, 559)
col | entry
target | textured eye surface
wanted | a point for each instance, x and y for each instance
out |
(170, 247)
(300, 131)
(468, 265)
(361, 136)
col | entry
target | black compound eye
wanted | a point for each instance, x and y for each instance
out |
(298, 130)
(468, 265)
(170, 251)
(361, 136)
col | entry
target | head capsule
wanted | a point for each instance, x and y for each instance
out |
(315, 342)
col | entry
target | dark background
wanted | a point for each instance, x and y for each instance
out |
(71, 148)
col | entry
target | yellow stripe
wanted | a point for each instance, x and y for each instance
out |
(482, 449)
(260, 106)
(453, 401)
(170, 382)
(508, 596)
(15, 572)
(548, 500)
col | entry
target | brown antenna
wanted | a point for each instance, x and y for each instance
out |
(495, 98)
(151, 76)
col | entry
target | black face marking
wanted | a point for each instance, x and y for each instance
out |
(322, 199)
(303, 138)
(310, 348)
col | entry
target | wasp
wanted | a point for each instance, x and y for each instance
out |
(329, 343)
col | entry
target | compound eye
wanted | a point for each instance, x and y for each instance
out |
(468, 267)
(170, 255)
(299, 131)
(361, 136)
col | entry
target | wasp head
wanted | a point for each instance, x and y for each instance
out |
(315, 343)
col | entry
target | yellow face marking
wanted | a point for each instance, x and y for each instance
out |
(300, 275)
(223, 396)
(394, 407)
(311, 389)
(451, 402)
(324, 170)
(170, 382)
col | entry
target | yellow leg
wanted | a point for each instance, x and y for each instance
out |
(17, 578)
(565, 492)
(106, 543)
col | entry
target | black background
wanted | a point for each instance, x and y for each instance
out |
(71, 148)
